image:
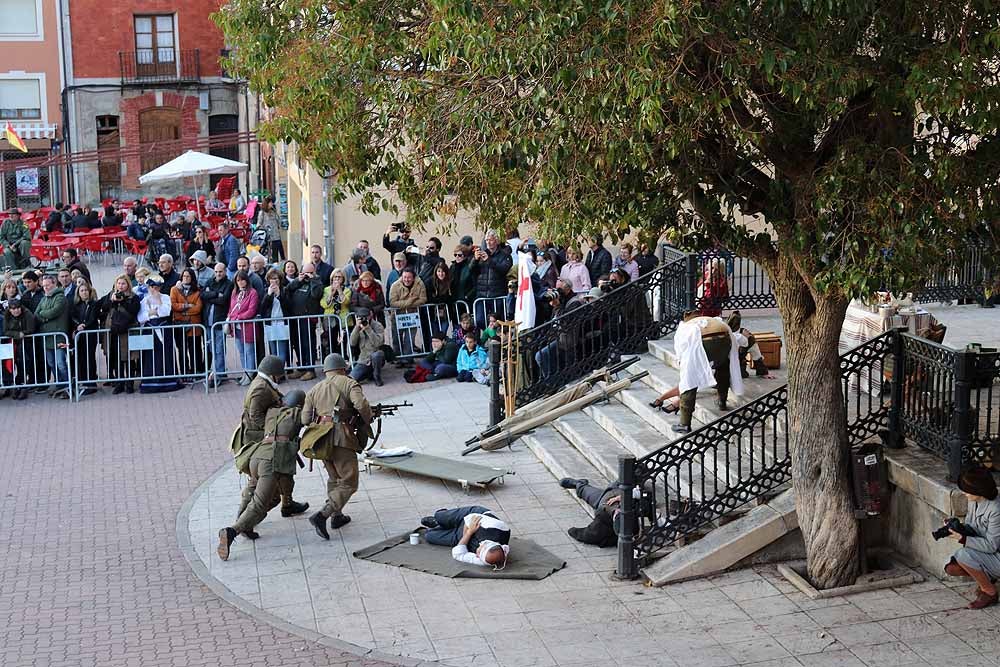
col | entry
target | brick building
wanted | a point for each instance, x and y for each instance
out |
(142, 73)
(30, 86)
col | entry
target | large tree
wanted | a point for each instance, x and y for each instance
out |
(863, 132)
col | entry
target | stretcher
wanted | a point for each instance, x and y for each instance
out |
(437, 467)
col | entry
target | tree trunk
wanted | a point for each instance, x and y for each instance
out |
(817, 420)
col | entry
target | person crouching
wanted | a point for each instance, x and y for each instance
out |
(978, 557)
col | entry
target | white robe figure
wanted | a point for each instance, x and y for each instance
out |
(696, 371)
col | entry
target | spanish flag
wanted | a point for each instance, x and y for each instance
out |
(13, 139)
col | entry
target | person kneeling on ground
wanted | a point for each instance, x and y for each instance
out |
(474, 533)
(601, 531)
(747, 345)
(368, 336)
(441, 361)
(272, 466)
(978, 558)
(473, 363)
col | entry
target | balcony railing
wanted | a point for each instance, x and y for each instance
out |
(159, 66)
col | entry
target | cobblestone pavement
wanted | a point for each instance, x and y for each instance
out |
(90, 569)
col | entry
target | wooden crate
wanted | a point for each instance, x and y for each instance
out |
(770, 347)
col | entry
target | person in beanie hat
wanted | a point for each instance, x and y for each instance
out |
(979, 558)
(443, 358)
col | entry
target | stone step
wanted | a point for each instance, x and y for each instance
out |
(637, 399)
(562, 459)
(592, 441)
(663, 349)
(627, 427)
(727, 545)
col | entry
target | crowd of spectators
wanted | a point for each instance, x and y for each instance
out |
(226, 290)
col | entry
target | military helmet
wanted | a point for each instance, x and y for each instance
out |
(272, 366)
(295, 398)
(334, 362)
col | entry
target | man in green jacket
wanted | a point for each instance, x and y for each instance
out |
(441, 362)
(52, 315)
(16, 241)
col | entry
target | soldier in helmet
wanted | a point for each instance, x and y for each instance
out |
(262, 395)
(339, 416)
(272, 466)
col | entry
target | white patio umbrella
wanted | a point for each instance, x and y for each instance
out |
(192, 164)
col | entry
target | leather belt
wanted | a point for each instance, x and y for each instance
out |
(717, 334)
(327, 419)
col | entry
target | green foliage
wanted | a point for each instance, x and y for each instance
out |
(863, 131)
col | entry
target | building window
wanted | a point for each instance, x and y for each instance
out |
(20, 19)
(154, 45)
(20, 99)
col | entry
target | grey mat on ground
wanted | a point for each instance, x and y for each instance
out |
(440, 468)
(527, 559)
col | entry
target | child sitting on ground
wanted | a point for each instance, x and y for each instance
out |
(492, 330)
(473, 362)
(466, 326)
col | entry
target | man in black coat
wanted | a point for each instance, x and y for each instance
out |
(321, 269)
(303, 295)
(429, 261)
(490, 266)
(601, 531)
(402, 242)
(598, 259)
(646, 259)
(215, 308)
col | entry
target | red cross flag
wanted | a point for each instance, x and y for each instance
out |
(524, 308)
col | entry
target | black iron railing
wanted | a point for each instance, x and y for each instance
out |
(587, 337)
(159, 66)
(743, 456)
(964, 277)
(950, 402)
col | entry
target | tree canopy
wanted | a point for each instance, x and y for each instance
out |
(864, 132)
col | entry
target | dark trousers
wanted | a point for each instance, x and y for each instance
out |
(277, 251)
(595, 496)
(86, 358)
(465, 376)
(717, 348)
(451, 525)
(440, 370)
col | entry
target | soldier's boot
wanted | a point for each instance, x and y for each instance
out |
(226, 537)
(318, 522)
(339, 520)
(742, 354)
(292, 507)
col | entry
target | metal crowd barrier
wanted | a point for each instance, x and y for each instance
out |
(301, 340)
(29, 362)
(158, 357)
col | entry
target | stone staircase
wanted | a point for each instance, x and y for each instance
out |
(588, 443)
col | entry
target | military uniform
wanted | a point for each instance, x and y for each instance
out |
(271, 466)
(331, 404)
(16, 241)
(261, 397)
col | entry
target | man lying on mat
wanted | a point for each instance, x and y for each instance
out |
(474, 533)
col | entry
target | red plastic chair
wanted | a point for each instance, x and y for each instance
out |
(224, 188)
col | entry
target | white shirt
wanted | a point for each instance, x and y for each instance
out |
(460, 552)
(696, 371)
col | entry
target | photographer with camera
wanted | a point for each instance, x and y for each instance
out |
(367, 337)
(402, 241)
(979, 536)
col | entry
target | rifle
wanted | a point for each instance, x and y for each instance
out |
(387, 410)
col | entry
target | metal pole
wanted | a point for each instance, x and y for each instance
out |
(496, 402)
(693, 271)
(627, 566)
(965, 364)
(894, 438)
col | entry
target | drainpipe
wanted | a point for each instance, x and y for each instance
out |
(328, 222)
(67, 144)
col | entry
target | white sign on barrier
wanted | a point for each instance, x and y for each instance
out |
(276, 331)
(140, 342)
(407, 320)
(6, 351)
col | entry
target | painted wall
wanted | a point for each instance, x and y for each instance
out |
(111, 26)
(27, 58)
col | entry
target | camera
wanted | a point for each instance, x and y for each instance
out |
(118, 295)
(953, 524)
(397, 226)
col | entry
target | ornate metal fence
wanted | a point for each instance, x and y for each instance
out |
(621, 322)
(719, 468)
(962, 278)
(950, 402)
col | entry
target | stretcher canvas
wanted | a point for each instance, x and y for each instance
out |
(527, 559)
(466, 474)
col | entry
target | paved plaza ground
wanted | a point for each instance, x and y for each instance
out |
(111, 508)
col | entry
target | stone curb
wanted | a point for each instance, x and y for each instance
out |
(217, 587)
